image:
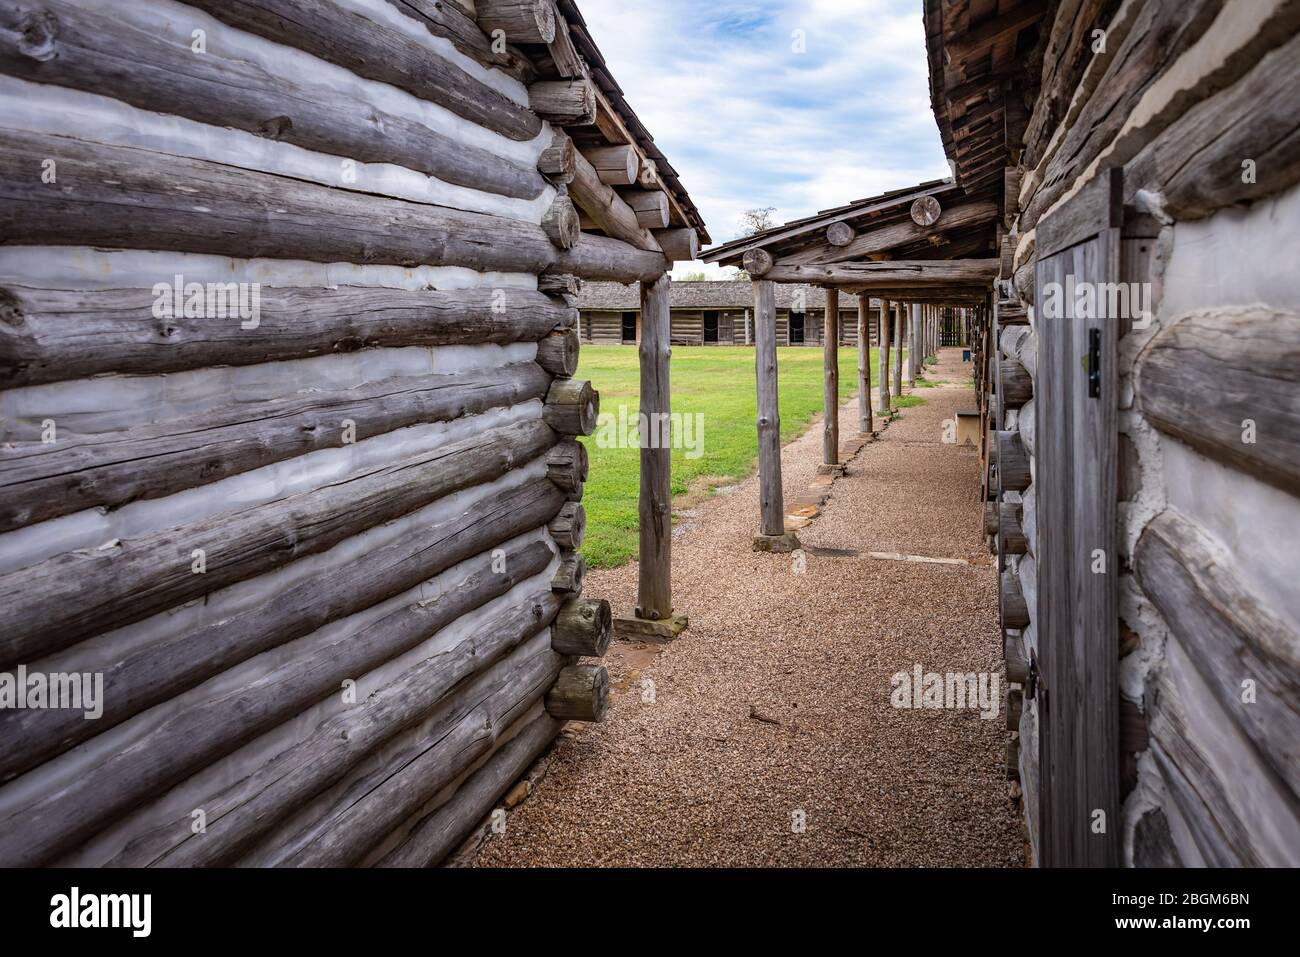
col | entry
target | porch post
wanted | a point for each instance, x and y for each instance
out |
(831, 383)
(653, 617)
(886, 307)
(865, 425)
(772, 535)
(898, 349)
(913, 342)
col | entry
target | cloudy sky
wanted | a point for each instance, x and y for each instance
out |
(796, 104)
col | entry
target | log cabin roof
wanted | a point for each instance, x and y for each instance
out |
(713, 294)
(574, 44)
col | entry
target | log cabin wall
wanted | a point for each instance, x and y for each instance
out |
(320, 544)
(1187, 106)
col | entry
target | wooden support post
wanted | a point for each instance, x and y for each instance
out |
(831, 385)
(914, 343)
(772, 535)
(900, 308)
(885, 308)
(865, 424)
(654, 609)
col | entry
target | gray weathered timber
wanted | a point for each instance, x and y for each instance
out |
(240, 813)
(1015, 613)
(47, 335)
(175, 663)
(1015, 386)
(567, 465)
(561, 223)
(572, 407)
(831, 380)
(886, 307)
(43, 480)
(887, 237)
(348, 38)
(57, 602)
(557, 352)
(1009, 530)
(438, 835)
(55, 821)
(559, 160)
(564, 102)
(655, 505)
(583, 627)
(606, 208)
(1013, 461)
(1017, 661)
(771, 504)
(452, 22)
(131, 198)
(1230, 633)
(899, 272)
(580, 693)
(569, 526)
(757, 262)
(1252, 356)
(914, 354)
(522, 21)
(900, 308)
(100, 53)
(568, 578)
(469, 722)
(865, 424)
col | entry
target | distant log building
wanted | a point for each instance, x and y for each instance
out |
(711, 313)
(288, 466)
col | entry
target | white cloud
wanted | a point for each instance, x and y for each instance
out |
(748, 121)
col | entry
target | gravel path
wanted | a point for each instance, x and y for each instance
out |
(776, 702)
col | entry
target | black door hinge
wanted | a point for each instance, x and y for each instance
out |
(1094, 363)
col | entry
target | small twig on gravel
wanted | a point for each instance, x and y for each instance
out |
(759, 716)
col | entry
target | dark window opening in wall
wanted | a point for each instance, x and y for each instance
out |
(629, 327)
(796, 329)
(710, 327)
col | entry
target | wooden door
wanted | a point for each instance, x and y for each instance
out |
(1077, 680)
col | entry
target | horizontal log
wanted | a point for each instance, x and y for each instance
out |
(614, 165)
(520, 21)
(1250, 419)
(1014, 384)
(1015, 613)
(1013, 461)
(369, 49)
(572, 407)
(558, 161)
(1017, 660)
(1021, 343)
(757, 262)
(564, 102)
(567, 465)
(452, 22)
(1015, 706)
(47, 335)
(87, 50)
(131, 198)
(560, 223)
(1027, 421)
(557, 353)
(208, 729)
(679, 245)
(569, 526)
(441, 832)
(649, 205)
(57, 602)
(558, 284)
(580, 693)
(1230, 635)
(883, 238)
(898, 272)
(42, 480)
(173, 664)
(466, 728)
(607, 210)
(583, 627)
(990, 518)
(1009, 530)
(569, 577)
(238, 814)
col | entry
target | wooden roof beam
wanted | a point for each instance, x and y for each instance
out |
(892, 273)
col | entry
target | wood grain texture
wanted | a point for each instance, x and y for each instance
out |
(655, 503)
(831, 379)
(1251, 421)
(138, 199)
(771, 502)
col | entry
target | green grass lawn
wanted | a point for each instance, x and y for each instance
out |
(717, 381)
